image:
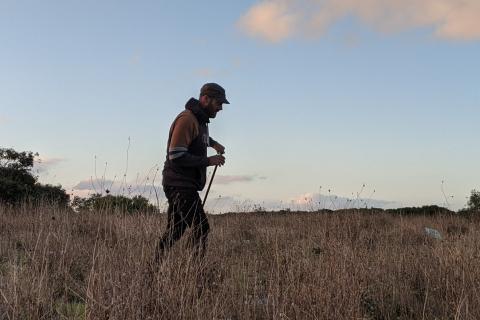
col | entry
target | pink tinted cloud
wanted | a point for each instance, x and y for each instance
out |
(273, 21)
(277, 20)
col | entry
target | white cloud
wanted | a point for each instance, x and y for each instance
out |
(3, 119)
(276, 20)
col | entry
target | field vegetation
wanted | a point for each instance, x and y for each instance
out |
(351, 264)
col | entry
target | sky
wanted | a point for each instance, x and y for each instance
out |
(334, 103)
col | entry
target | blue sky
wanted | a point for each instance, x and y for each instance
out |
(324, 95)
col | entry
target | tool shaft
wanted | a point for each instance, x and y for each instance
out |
(210, 184)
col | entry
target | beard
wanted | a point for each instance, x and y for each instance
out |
(211, 110)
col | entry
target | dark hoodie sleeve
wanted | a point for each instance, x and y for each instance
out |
(212, 142)
(184, 131)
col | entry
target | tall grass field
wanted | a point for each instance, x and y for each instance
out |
(57, 264)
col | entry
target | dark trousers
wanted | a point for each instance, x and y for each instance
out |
(185, 209)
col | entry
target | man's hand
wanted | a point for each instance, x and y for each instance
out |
(219, 148)
(217, 160)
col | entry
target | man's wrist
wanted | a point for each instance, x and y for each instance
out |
(212, 142)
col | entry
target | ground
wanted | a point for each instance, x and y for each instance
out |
(343, 265)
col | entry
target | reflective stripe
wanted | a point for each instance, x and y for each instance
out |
(175, 155)
(176, 152)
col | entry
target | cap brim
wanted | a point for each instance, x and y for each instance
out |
(220, 98)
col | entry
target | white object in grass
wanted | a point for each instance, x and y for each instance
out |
(433, 233)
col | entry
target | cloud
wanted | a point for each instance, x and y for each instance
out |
(232, 179)
(3, 119)
(314, 201)
(141, 187)
(43, 164)
(277, 20)
(217, 203)
(93, 184)
(221, 203)
(270, 20)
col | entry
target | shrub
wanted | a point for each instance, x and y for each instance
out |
(18, 184)
(474, 201)
(111, 203)
(473, 205)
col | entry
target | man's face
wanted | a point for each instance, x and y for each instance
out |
(212, 107)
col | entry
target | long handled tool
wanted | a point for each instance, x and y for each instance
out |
(209, 185)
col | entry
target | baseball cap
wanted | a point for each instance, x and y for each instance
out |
(214, 90)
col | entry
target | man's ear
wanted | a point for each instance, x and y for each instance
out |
(204, 100)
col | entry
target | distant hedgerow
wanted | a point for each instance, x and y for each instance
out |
(112, 203)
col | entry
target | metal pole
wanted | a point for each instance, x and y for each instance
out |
(209, 185)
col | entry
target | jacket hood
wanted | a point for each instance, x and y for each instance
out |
(194, 106)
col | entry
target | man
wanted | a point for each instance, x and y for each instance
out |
(185, 169)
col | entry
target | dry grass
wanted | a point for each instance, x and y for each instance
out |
(55, 265)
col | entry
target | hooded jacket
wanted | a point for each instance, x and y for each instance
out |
(186, 161)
